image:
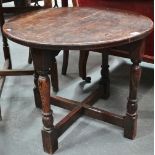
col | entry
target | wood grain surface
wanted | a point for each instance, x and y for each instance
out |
(77, 28)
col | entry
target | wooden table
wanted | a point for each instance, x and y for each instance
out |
(51, 30)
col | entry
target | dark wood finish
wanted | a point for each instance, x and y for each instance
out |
(63, 103)
(21, 7)
(144, 7)
(65, 61)
(137, 52)
(82, 66)
(68, 120)
(104, 116)
(50, 142)
(42, 61)
(4, 39)
(126, 31)
(48, 3)
(30, 57)
(103, 29)
(15, 72)
(54, 75)
(105, 81)
(66, 52)
(93, 97)
(37, 97)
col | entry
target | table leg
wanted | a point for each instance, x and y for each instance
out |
(30, 57)
(105, 81)
(65, 62)
(6, 49)
(82, 66)
(50, 142)
(36, 91)
(42, 62)
(130, 124)
(54, 75)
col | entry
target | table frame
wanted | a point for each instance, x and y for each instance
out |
(50, 133)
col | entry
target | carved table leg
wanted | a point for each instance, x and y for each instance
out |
(49, 136)
(105, 81)
(130, 122)
(42, 62)
(36, 91)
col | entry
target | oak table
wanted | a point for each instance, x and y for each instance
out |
(51, 30)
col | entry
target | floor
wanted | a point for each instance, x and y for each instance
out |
(21, 125)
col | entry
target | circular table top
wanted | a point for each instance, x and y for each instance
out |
(77, 28)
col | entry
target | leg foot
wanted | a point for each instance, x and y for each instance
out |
(50, 142)
(130, 126)
(88, 79)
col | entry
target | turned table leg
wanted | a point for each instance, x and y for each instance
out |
(42, 62)
(131, 115)
(130, 122)
(49, 136)
(105, 81)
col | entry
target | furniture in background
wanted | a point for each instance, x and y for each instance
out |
(101, 31)
(83, 56)
(144, 7)
(21, 2)
(21, 6)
